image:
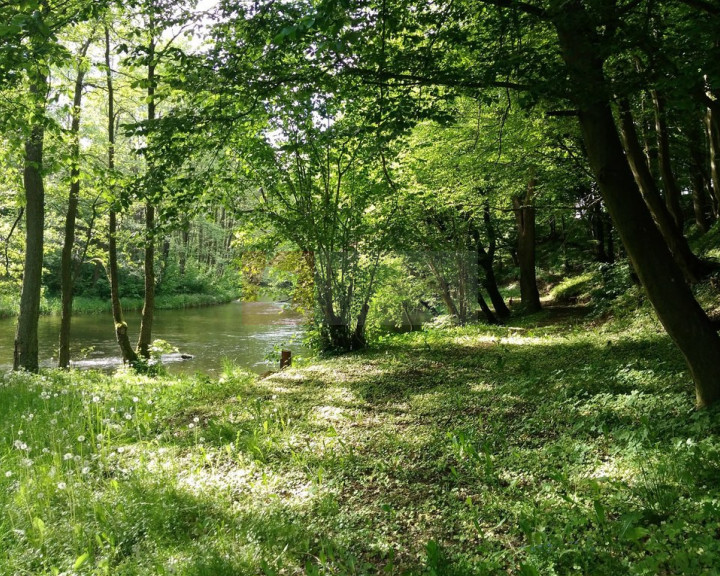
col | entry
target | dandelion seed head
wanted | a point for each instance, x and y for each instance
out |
(61, 485)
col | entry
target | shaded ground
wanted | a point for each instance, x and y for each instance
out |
(526, 450)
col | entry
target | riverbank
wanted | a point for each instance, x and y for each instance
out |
(551, 446)
(9, 305)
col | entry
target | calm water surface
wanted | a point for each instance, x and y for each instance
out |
(242, 332)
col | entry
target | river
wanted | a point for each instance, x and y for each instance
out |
(241, 332)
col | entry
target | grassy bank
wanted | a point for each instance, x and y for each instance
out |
(9, 305)
(533, 449)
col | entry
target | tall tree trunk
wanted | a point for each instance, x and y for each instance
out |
(185, 246)
(66, 264)
(525, 218)
(670, 186)
(26, 336)
(121, 329)
(713, 131)
(693, 268)
(681, 315)
(703, 207)
(701, 201)
(148, 310)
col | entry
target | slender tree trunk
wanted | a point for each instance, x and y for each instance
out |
(487, 264)
(609, 235)
(444, 289)
(672, 190)
(701, 202)
(681, 315)
(713, 131)
(148, 311)
(489, 316)
(26, 337)
(185, 246)
(598, 227)
(525, 218)
(692, 267)
(121, 328)
(66, 264)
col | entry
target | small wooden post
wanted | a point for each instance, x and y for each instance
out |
(285, 359)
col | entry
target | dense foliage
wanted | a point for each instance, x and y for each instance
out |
(530, 189)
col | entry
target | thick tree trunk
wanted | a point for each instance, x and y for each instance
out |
(26, 337)
(525, 218)
(121, 329)
(670, 186)
(66, 263)
(692, 267)
(681, 315)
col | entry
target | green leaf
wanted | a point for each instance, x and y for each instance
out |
(81, 560)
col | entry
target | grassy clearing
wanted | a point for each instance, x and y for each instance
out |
(533, 449)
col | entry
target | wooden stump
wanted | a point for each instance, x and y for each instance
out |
(285, 359)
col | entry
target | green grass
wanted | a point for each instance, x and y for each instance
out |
(570, 449)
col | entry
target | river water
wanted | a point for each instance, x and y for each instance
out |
(241, 332)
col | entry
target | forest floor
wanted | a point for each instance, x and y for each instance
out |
(536, 448)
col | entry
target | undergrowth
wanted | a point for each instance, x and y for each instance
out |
(525, 449)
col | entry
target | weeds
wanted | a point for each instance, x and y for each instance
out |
(467, 450)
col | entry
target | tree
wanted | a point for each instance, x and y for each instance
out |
(553, 54)
(67, 269)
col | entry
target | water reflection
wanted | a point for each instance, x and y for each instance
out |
(241, 332)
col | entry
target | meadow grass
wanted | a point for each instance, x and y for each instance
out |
(535, 448)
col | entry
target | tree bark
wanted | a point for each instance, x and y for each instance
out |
(148, 310)
(66, 264)
(525, 218)
(121, 329)
(692, 267)
(670, 186)
(487, 264)
(681, 315)
(26, 336)
(713, 131)
(703, 208)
